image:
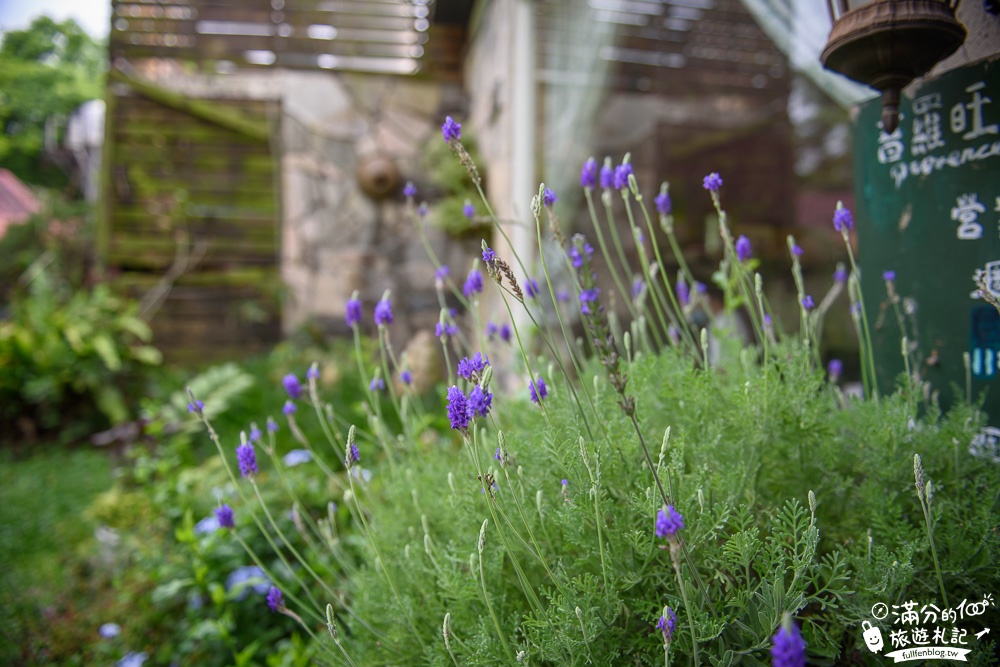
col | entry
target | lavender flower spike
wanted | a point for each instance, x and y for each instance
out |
(468, 210)
(383, 311)
(275, 600)
(479, 402)
(662, 200)
(588, 175)
(548, 198)
(743, 251)
(842, 218)
(538, 390)
(888, 276)
(473, 283)
(353, 315)
(808, 303)
(712, 182)
(409, 190)
(292, 386)
(835, 368)
(247, 460)
(458, 409)
(788, 649)
(667, 624)
(451, 130)
(668, 522)
(607, 174)
(224, 514)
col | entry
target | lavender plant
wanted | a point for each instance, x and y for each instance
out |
(657, 492)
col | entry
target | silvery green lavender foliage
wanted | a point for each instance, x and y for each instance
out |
(665, 495)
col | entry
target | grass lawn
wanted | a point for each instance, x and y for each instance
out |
(42, 498)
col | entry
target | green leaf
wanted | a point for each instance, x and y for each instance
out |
(105, 349)
(111, 402)
(148, 355)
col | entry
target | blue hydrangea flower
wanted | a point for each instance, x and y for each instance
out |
(531, 288)
(383, 312)
(458, 409)
(473, 284)
(588, 297)
(479, 402)
(667, 624)
(622, 172)
(409, 190)
(808, 303)
(788, 649)
(588, 175)
(474, 365)
(292, 386)
(548, 198)
(888, 276)
(353, 314)
(289, 408)
(663, 203)
(668, 522)
(712, 182)
(538, 390)
(451, 130)
(246, 457)
(297, 457)
(743, 250)
(842, 219)
(224, 513)
(275, 600)
(406, 377)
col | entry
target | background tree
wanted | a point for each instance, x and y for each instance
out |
(46, 71)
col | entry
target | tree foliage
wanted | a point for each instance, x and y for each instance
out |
(46, 70)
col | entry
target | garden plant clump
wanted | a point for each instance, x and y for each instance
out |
(651, 492)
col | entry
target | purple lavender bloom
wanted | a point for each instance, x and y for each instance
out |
(445, 329)
(479, 402)
(406, 377)
(548, 198)
(423, 209)
(197, 406)
(768, 321)
(353, 315)
(842, 219)
(458, 409)
(409, 190)
(473, 284)
(565, 483)
(469, 366)
(888, 276)
(835, 368)
(292, 386)
(622, 172)
(668, 522)
(272, 426)
(700, 288)
(667, 624)
(663, 203)
(505, 332)
(587, 297)
(289, 408)
(353, 455)
(807, 302)
(637, 287)
(562, 296)
(788, 649)
(377, 384)
(451, 130)
(489, 256)
(492, 331)
(275, 600)
(712, 182)
(607, 174)
(743, 250)
(683, 292)
(224, 514)
(588, 175)
(442, 272)
(531, 288)
(497, 455)
(468, 210)
(840, 275)
(538, 390)
(313, 372)
(577, 257)
(247, 460)
(797, 250)
(255, 434)
(383, 312)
